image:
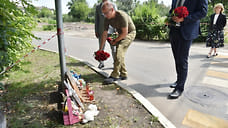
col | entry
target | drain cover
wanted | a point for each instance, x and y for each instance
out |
(206, 96)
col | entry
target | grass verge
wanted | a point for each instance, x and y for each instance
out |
(29, 97)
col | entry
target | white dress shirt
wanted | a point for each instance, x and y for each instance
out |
(181, 4)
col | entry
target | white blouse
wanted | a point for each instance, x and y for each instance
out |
(215, 18)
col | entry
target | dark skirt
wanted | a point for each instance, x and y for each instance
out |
(215, 39)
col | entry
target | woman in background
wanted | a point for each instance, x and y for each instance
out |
(215, 37)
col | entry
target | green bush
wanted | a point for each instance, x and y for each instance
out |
(149, 26)
(49, 27)
(67, 18)
(51, 21)
(150, 30)
(79, 10)
(90, 19)
(45, 13)
(43, 20)
(16, 24)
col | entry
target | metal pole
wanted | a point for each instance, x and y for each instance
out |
(59, 20)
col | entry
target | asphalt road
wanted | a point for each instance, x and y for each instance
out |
(151, 69)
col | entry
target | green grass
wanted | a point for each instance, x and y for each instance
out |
(30, 97)
(226, 38)
(27, 90)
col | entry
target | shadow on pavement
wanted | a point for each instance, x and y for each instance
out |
(159, 47)
(152, 90)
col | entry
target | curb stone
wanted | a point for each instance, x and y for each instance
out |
(2, 120)
(150, 107)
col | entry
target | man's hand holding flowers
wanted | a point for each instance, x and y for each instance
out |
(177, 16)
(113, 42)
(112, 38)
(177, 19)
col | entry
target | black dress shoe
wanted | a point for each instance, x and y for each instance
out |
(215, 54)
(110, 80)
(101, 65)
(173, 85)
(175, 94)
(123, 78)
(209, 55)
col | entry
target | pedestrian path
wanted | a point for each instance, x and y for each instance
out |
(196, 119)
(217, 73)
(206, 92)
(216, 76)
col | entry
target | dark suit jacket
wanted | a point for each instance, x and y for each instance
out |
(190, 27)
(220, 23)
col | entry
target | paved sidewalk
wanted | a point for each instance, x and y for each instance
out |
(209, 93)
(151, 70)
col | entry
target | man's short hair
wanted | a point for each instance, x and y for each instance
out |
(107, 5)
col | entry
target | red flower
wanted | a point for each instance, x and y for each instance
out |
(109, 39)
(181, 11)
(101, 55)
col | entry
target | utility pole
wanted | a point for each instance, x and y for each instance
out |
(59, 20)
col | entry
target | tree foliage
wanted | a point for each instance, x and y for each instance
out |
(126, 5)
(79, 10)
(224, 2)
(16, 23)
(163, 10)
(91, 15)
(45, 12)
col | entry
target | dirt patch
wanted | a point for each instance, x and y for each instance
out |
(30, 97)
(119, 109)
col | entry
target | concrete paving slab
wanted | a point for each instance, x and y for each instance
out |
(217, 74)
(215, 81)
(195, 119)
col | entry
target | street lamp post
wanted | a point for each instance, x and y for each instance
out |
(59, 20)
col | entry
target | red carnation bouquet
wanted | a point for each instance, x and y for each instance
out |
(180, 12)
(101, 55)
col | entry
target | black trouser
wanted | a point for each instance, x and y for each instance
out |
(180, 48)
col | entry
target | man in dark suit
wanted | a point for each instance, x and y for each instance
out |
(181, 37)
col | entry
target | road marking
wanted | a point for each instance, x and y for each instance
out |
(215, 81)
(224, 55)
(195, 119)
(220, 69)
(217, 74)
(226, 108)
(220, 64)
